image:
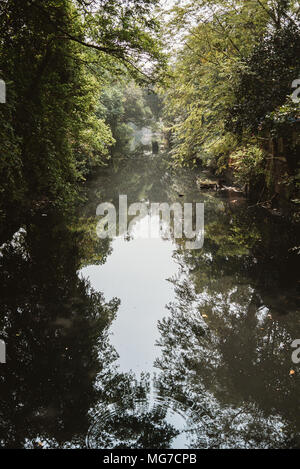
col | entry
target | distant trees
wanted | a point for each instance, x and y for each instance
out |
(123, 104)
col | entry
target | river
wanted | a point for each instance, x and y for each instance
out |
(140, 342)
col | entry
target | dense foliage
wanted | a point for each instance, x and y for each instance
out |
(55, 58)
(231, 84)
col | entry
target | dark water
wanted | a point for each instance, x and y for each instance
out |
(198, 352)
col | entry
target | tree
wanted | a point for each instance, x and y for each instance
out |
(50, 53)
(235, 68)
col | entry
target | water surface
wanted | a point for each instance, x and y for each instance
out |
(143, 343)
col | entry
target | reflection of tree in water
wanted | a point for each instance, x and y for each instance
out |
(140, 178)
(53, 323)
(60, 371)
(226, 342)
(226, 347)
(126, 418)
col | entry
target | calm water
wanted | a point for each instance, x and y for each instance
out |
(142, 343)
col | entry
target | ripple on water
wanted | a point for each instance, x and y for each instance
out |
(157, 422)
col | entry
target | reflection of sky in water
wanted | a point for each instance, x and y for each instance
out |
(137, 273)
